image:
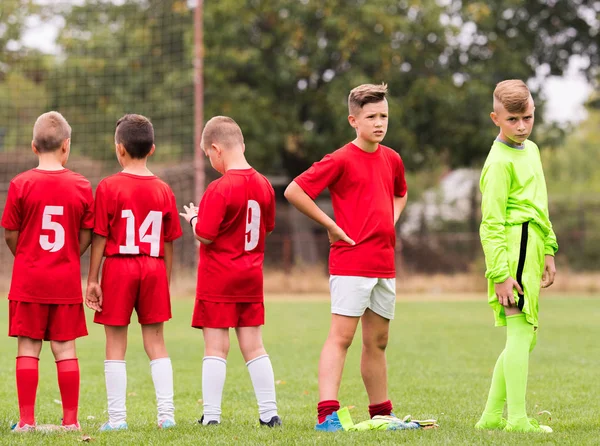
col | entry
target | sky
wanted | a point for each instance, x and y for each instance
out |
(565, 95)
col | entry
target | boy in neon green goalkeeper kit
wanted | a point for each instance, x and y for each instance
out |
(519, 246)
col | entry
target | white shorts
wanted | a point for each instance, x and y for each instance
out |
(352, 295)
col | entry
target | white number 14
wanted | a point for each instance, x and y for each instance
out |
(152, 222)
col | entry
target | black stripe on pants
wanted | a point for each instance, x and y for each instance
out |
(521, 266)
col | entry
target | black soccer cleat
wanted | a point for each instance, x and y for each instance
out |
(273, 422)
(210, 423)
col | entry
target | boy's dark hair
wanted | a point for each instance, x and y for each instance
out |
(136, 134)
(365, 94)
(50, 131)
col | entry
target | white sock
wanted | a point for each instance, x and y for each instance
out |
(213, 381)
(263, 380)
(162, 376)
(115, 375)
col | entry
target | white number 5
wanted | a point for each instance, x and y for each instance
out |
(59, 231)
(252, 225)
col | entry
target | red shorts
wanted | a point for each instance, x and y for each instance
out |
(138, 282)
(227, 314)
(48, 322)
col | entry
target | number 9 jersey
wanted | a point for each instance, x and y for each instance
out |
(236, 213)
(48, 208)
(136, 214)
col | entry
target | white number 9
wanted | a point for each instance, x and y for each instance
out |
(252, 225)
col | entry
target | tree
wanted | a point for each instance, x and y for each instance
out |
(133, 57)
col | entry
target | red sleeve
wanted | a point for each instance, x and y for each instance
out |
(400, 187)
(270, 212)
(320, 175)
(172, 227)
(87, 219)
(210, 214)
(101, 210)
(11, 217)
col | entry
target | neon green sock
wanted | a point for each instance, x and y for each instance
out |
(519, 338)
(494, 408)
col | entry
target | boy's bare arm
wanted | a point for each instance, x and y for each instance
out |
(11, 237)
(93, 295)
(302, 201)
(399, 205)
(85, 239)
(168, 259)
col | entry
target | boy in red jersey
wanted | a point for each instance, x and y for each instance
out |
(236, 214)
(136, 223)
(47, 224)
(368, 193)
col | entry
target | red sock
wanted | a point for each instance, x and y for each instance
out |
(327, 407)
(68, 382)
(27, 382)
(384, 408)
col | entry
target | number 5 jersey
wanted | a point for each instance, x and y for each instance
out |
(48, 208)
(236, 213)
(137, 215)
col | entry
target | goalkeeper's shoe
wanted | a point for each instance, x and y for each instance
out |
(106, 427)
(273, 422)
(528, 425)
(330, 424)
(21, 428)
(490, 423)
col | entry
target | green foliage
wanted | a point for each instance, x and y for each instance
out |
(132, 57)
(440, 360)
(283, 69)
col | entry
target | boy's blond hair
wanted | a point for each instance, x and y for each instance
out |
(365, 94)
(513, 94)
(50, 132)
(221, 130)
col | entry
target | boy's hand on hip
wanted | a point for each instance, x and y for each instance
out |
(191, 211)
(505, 293)
(336, 234)
(549, 271)
(93, 296)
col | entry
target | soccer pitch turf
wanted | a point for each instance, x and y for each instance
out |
(440, 360)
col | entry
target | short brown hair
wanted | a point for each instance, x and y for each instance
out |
(136, 134)
(223, 130)
(50, 131)
(513, 94)
(365, 94)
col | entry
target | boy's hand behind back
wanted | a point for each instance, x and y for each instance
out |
(549, 271)
(336, 234)
(505, 293)
(93, 296)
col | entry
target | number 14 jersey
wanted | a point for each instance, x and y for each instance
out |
(137, 215)
(236, 213)
(48, 208)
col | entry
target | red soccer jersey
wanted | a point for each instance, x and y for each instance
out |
(48, 208)
(137, 214)
(236, 212)
(362, 187)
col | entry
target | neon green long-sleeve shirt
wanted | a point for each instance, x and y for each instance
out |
(513, 191)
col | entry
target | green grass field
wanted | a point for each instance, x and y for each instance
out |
(440, 359)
